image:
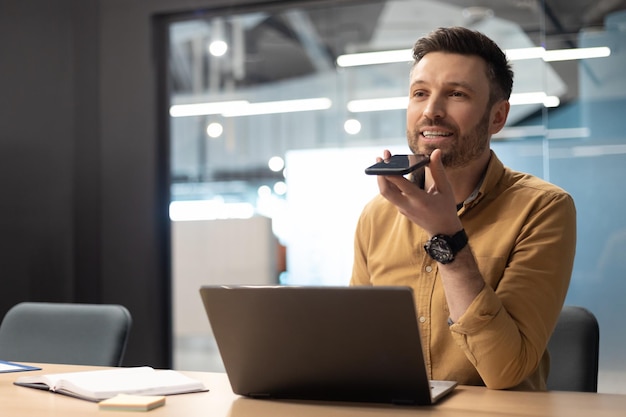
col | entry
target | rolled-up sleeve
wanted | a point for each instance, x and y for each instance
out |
(505, 330)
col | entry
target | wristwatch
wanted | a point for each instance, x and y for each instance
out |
(443, 248)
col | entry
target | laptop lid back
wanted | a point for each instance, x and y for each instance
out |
(320, 343)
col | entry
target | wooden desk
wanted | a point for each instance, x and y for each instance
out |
(221, 402)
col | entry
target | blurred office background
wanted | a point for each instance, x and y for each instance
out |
(148, 147)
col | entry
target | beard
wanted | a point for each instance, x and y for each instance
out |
(455, 154)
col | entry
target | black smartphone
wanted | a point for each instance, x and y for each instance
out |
(398, 165)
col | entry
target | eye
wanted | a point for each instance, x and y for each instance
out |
(458, 94)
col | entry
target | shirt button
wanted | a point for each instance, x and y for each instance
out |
(422, 319)
(429, 268)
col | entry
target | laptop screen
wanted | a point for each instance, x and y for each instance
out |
(320, 343)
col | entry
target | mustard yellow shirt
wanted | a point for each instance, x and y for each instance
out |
(522, 232)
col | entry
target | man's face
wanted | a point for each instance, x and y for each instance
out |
(448, 99)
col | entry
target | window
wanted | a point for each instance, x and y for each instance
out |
(268, 119)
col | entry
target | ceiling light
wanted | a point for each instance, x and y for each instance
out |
(280, 188)
(214, 130)
(203, 109)
(534, 98)
(245, 108)
(276, 163)
(218, 48)
(283, 106)
(352, 126)
(264, 191)
(405, 55)
(551, 101)
(557, 54)
(519, 54)
(378, 104)
(401, 103)
(371, 58)
(577, 53)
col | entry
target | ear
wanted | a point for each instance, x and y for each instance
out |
(499, 113)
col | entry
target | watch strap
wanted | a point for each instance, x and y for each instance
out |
(458, 241)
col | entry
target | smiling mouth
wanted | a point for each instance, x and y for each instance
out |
(433, 134)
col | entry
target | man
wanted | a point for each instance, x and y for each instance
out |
(488, 251)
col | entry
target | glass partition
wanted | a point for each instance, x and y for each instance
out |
(276, 111)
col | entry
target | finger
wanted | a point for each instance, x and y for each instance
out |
(401, 184)
(386, 155)
(438, 173)
(386, 185)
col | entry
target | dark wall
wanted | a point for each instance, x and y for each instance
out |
(83, 160)
(79, 212)
(37, 139)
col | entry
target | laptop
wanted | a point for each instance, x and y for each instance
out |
(353, 344)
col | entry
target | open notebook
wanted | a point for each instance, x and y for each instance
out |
(322, 343)
(103, 384)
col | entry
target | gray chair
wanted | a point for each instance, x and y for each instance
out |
(574, 351)
(80, 334)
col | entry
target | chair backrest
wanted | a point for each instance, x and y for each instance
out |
(81, 334)
(574, 351)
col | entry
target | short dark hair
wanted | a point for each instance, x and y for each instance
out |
(465, 41)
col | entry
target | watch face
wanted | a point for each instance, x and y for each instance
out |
(439, 249)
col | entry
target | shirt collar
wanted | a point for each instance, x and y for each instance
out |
(490, 178)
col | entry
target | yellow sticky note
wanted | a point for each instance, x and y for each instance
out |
(132, 402)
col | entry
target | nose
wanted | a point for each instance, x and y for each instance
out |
(435, 108)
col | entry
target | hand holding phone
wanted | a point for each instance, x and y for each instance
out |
(398, 165)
